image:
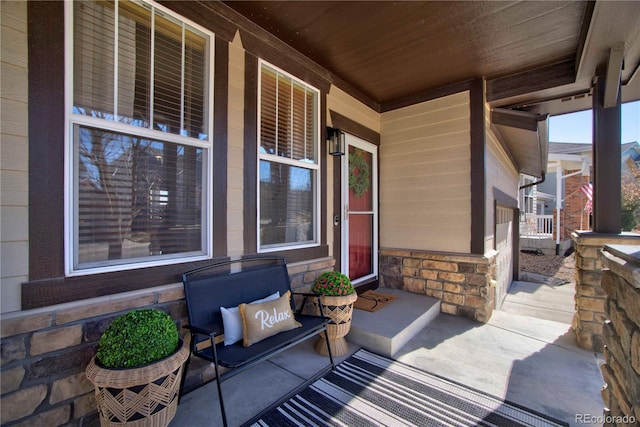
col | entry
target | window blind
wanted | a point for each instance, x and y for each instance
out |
(159, 81)
(289, 161)
(138, 195)
(288, 120)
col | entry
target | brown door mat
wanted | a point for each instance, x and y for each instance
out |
(373, 300)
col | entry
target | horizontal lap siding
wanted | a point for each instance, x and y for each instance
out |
(501, 175)
(14, 155)
(346, 105)
(425, 176)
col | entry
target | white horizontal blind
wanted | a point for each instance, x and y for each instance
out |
(288, 122)
(288, 153)
(140, 131)
(159, 81)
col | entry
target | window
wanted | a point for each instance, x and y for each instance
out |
(527, 205)
(288, 154)
(140, 137)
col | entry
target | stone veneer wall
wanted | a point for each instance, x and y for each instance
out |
(621, 371)
(463, 283)
(45, 351)
(590, 297)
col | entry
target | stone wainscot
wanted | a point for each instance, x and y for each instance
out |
(463, 283)
(45, 351)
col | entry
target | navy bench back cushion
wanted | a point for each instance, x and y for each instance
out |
(207, 292)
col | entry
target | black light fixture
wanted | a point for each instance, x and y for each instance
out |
(335, 139)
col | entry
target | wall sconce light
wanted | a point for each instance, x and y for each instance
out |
(335, 138)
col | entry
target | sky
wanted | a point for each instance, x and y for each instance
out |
(577, 127)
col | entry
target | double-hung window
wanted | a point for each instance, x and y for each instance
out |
(288, 155)
(139, 103)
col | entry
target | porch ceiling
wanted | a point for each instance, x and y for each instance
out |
(392, 53)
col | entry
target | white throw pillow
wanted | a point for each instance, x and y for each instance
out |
(232, 322)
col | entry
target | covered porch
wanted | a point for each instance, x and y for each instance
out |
(519, 355)
(446, 101)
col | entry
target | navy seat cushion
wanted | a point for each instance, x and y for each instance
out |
(232, 356)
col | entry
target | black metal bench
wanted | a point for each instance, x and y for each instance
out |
(228, 284)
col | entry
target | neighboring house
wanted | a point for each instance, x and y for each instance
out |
(630, 156)
(539, 203)
(143, 139)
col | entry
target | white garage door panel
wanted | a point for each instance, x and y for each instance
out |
(504, 246)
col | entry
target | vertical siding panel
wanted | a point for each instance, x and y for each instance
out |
(425, 176)
(14, 174)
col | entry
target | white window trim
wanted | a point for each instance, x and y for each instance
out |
(317, 217)
(70, 156)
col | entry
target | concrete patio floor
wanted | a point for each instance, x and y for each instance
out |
(529, 360)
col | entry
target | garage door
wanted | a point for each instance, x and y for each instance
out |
(504, 246)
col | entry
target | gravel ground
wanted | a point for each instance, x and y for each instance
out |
(556, 266)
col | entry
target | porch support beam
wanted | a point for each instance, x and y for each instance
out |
(545, 78)
(606, 161)
(478, 169)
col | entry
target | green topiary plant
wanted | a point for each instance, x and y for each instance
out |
(332, 283)
(137, 338)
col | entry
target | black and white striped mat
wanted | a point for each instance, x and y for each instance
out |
(370, 390)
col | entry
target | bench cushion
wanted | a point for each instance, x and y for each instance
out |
(262, 320)
(236, 355)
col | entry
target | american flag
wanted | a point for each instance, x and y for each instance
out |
(587, 189)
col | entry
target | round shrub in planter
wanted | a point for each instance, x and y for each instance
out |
(337, 298)
(137, 370)
(137, 338)
(332, 283)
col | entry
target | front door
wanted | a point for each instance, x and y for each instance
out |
(360, 210)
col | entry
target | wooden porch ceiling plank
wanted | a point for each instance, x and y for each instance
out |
(406, 48)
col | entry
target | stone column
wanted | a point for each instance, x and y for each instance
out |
(621, 371)
(590, 297)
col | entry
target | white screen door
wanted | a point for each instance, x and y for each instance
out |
(359, 210)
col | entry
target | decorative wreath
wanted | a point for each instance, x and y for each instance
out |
(358, 183)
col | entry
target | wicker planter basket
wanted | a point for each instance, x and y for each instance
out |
(145, 396)
(339, 309)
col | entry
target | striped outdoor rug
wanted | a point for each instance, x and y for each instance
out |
(370, 390)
